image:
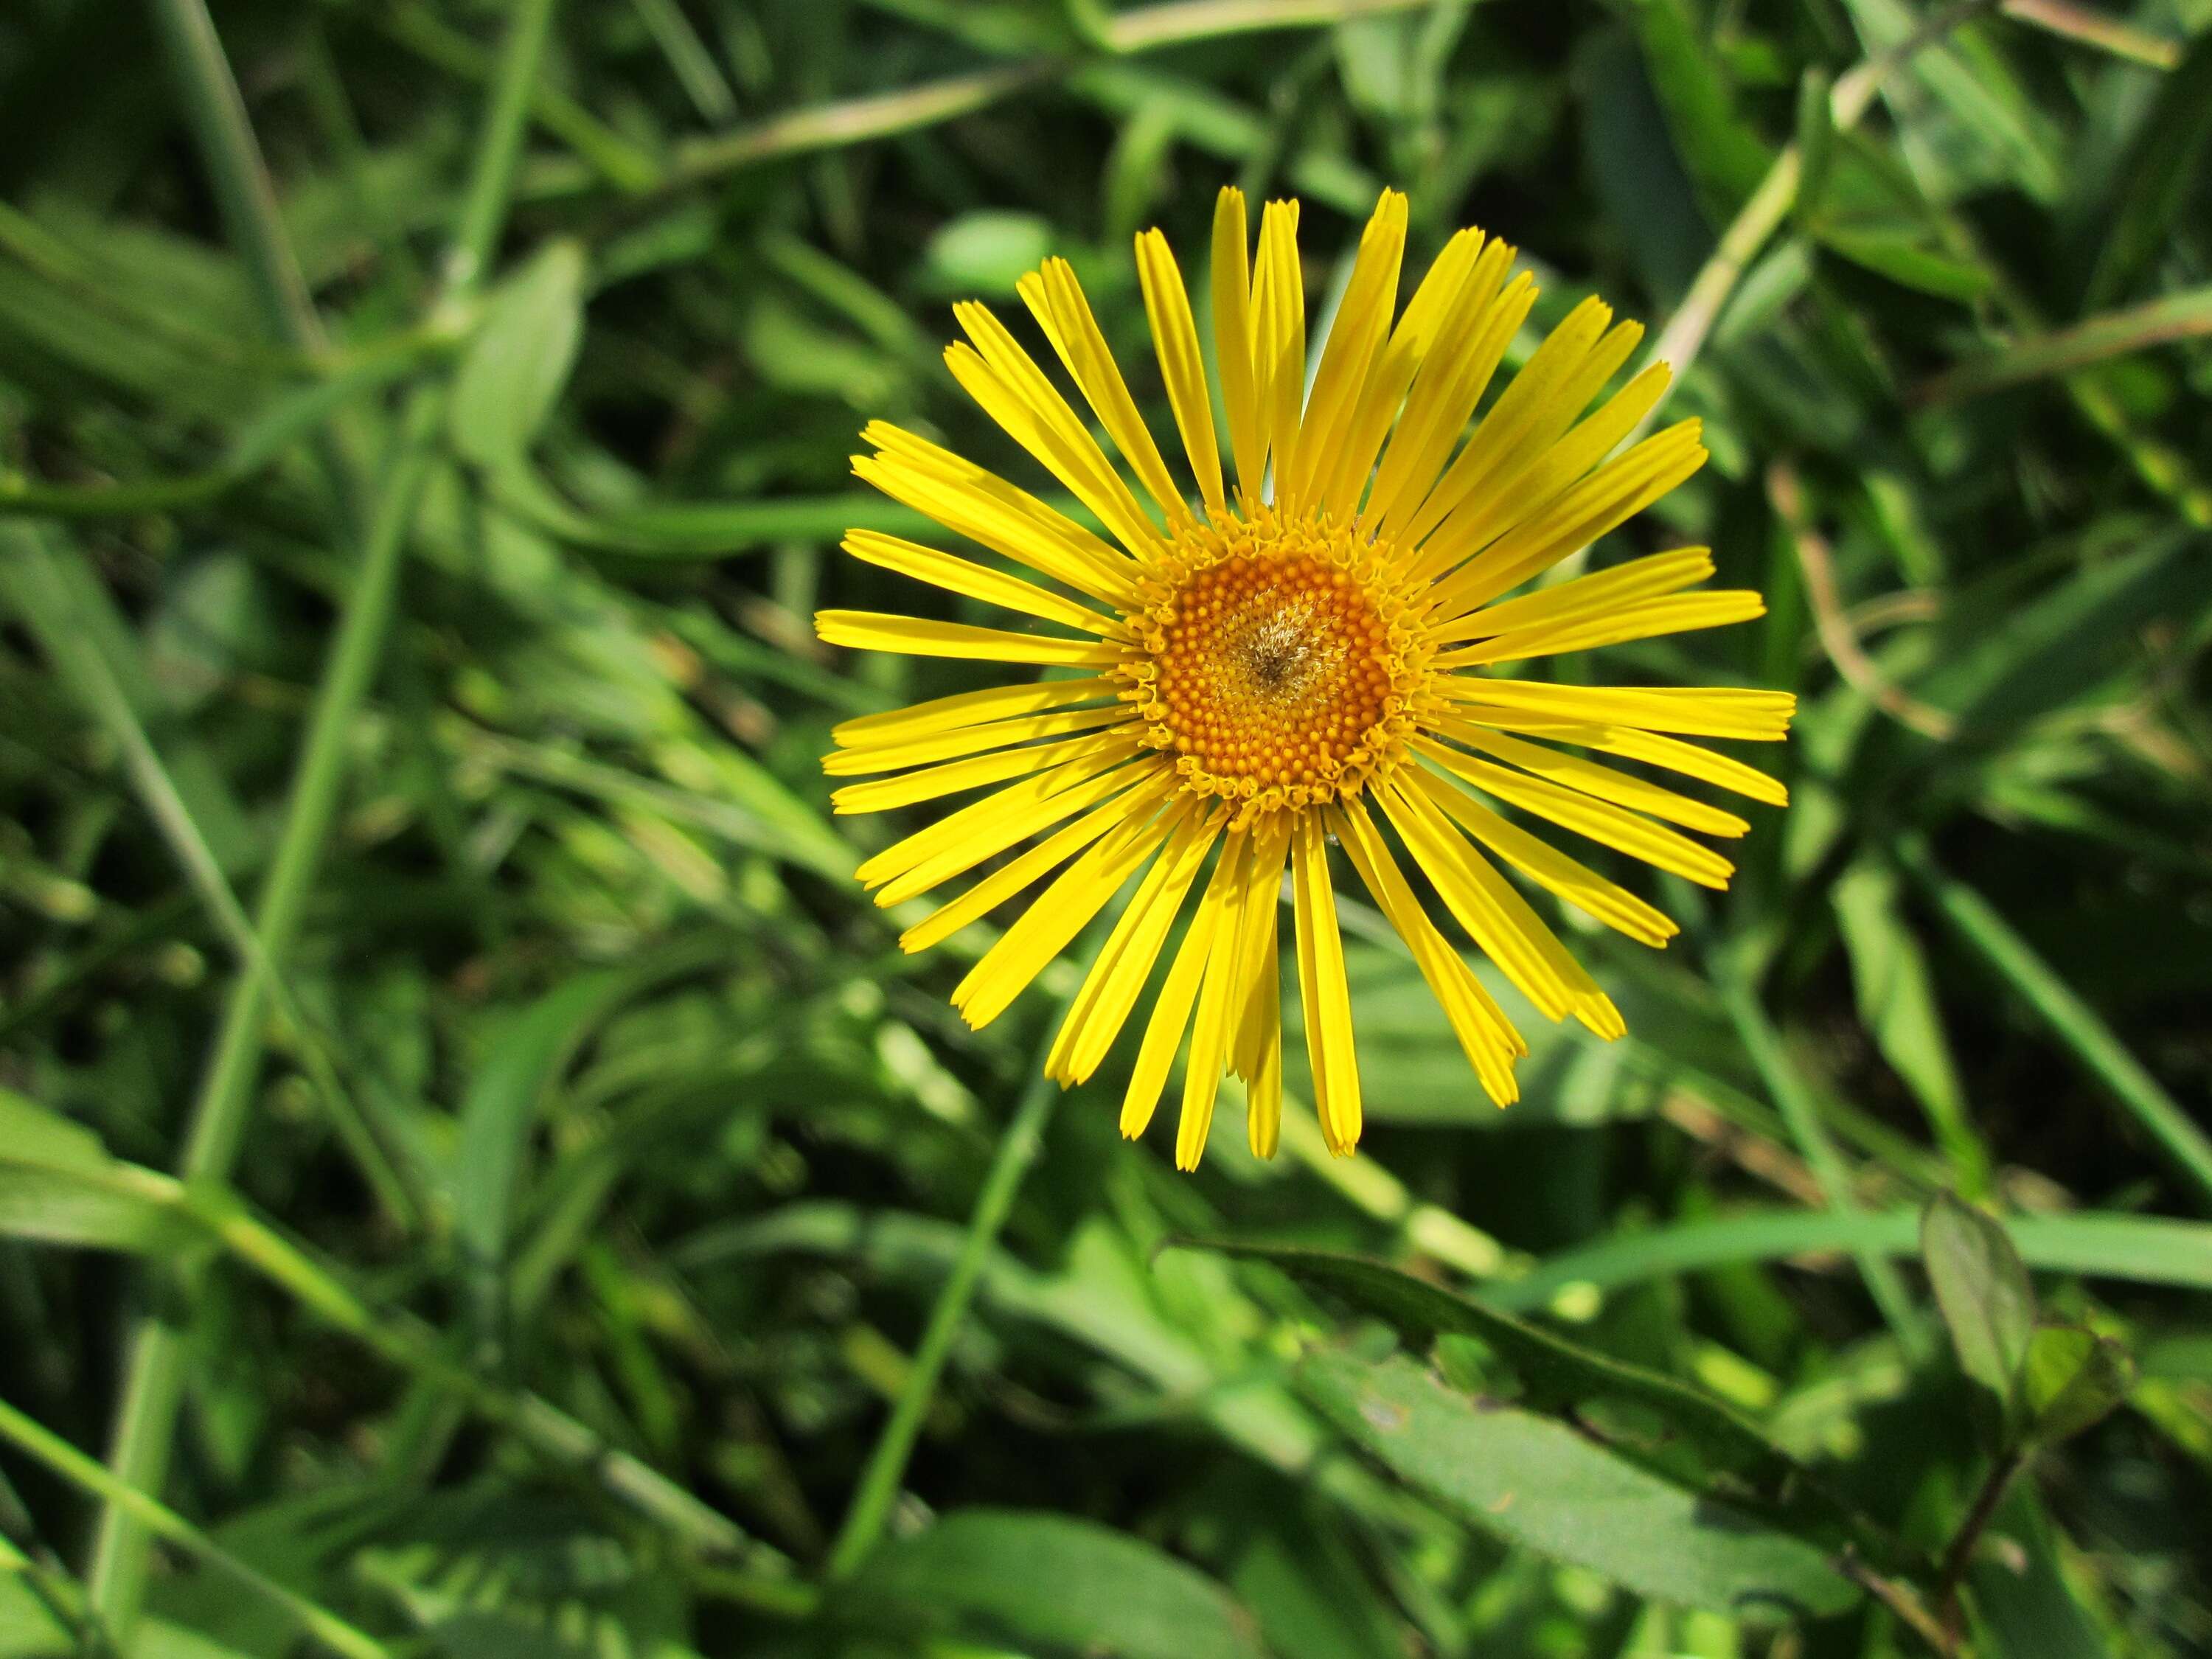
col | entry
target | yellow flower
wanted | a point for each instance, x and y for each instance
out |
(1301, 662)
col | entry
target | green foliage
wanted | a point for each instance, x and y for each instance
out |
(424, 435)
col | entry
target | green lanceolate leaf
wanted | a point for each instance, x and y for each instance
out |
(1052, 1585)
(58, 1186)
(520, 358)
(2072, 1378)
(1988, 1302)
(1560, 1376)
(1539, 1483)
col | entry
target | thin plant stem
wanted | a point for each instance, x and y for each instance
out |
(385, 1167)
(1960, 1553)
(879, 1487)
(2078, 1026)
(1803, 1118)
(153, 1371)
(41, 1444)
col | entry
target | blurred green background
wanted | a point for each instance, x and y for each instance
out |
(469, 1150)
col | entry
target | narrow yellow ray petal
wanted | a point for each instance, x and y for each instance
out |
(1054, 918)
(1495, 917)
(1541, 477)
(1271, 847)
(969, 740)
(984, 508)
(1537, 399)
(956, 777)
(899, 725)
(1609, 498)
(1689, 760)
(1678, 613)
(1322, 990)
(1055, 298)
(1544, 864)
(1384, 394)
(1355, 336)
(1232, 341)
(1031, 867)
(1124, 962)
(1073, 457)
(1278, 335)
(1599, 820)
(1600, 591)
(1221, 999)
(1178, 993)
(962, 840)
(1572, 772)
(921, 636)
(958, 575)
(1452, 380)
(1485, 1035)
(1753, 716)
(1182, 366)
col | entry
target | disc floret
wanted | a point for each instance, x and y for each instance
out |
(1280, 663)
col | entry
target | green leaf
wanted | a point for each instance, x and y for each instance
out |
(1542, 1485)
(58, 1186)
(1052, 1584)
(1561, 1376)
(2153, 184)
(1816, 144)
(1900, 255)
(1988, 1301)
(987, 253)
(520, 358)
(502, 1106)
(2073, 1378)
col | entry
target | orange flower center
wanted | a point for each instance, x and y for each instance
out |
(1277, 667)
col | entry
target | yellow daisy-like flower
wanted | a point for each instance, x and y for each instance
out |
(1305, 660)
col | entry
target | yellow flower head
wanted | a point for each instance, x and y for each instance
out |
(1307, 660)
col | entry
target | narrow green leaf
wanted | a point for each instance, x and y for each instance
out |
(1539, 1483)
(1560, 1376)
(1901, 256)
(1816, 144)
(520, 358)
(1051, 1583)
(2072, 1380)
(1988, 1302)
(2155, 178)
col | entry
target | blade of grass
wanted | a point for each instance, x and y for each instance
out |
(2141, 1249)
(70, 647)
(37, 1442)
(878, 1485)
(153, 1374)
(2092, 1042)
(2185, 316)
(1802, 1116)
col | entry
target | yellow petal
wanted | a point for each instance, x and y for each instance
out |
(1220, 1002)
(1279, 334)
(1755, 716)
(1572, 772)
(1585, 596)
(1182, 366)
(1055, 298)
(1031, 867)
(969, 740)
(1124, 962)
(1323, 991)
(1544, 864)
(921, 636)
(954, 777)
(962, 840)
(1497, 918)
(1232, 341)
(984, 508)
(1171, 1009)
(1361, 325)
(921, 719)
(964, 576)
(1602, 820)
(1052, 921)
(1485, 1035)
(1677, 613)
